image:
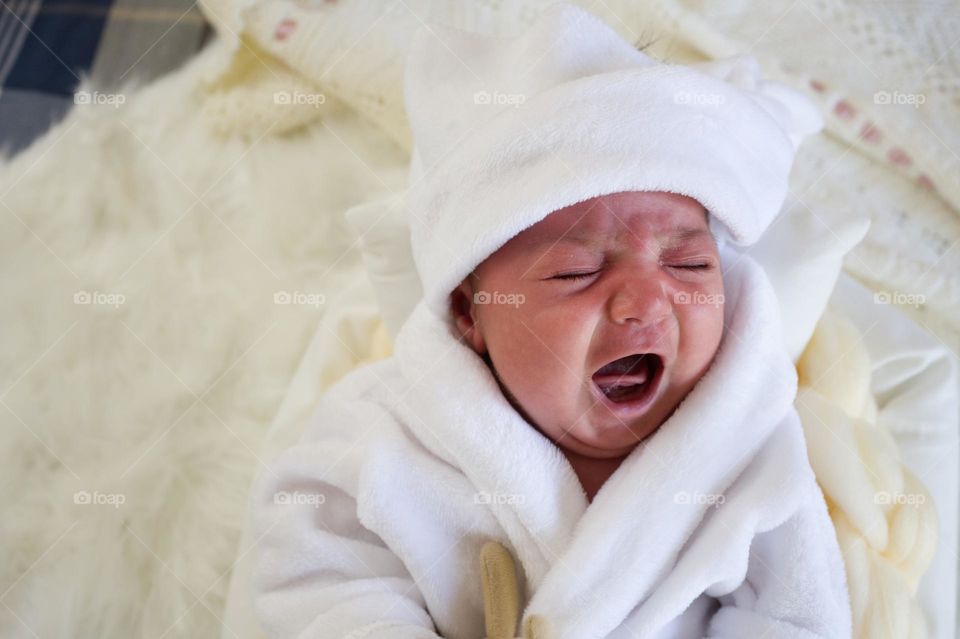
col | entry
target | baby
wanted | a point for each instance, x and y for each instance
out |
(622, 313)
(594, 378)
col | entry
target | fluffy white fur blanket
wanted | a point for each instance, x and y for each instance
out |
(145, 354)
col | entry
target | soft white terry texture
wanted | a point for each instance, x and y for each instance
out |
(410, 465)
(509, 130)
(803, 256)
(715, 525)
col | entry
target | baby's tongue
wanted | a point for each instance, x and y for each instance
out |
(626, 371)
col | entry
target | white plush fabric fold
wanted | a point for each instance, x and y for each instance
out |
(421, 460)
(713, 526)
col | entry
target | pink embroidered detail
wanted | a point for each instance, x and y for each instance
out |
(899, 157)
(284, 28)
(844, 110)
(818, 86)
(870, 133)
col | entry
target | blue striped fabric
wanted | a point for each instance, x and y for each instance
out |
(58, 46)
(47, 46)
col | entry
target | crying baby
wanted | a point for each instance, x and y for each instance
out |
(592, 378)
(615, 313)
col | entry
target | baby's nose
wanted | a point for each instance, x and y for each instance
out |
(640, 299)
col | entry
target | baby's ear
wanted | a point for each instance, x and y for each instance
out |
(464, 315)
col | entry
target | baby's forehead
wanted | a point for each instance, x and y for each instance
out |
(602, 221)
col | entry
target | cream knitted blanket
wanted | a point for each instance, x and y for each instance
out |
(886, 522)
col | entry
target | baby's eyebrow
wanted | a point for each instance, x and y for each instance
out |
(671, 237)
(682, 234)
(589, 240)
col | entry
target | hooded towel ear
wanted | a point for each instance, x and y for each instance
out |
(794, 112)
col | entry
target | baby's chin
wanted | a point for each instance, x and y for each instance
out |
(610, 428)
(602, 429)
(609, 439)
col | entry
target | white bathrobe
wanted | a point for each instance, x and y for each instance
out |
(371, 526)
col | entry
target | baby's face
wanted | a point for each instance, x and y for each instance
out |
(632, 278)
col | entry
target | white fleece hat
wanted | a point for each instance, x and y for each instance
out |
(506, 131)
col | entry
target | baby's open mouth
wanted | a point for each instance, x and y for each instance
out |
(629, 378)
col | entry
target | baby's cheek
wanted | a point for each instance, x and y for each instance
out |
(701, 329)
(544, 364)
